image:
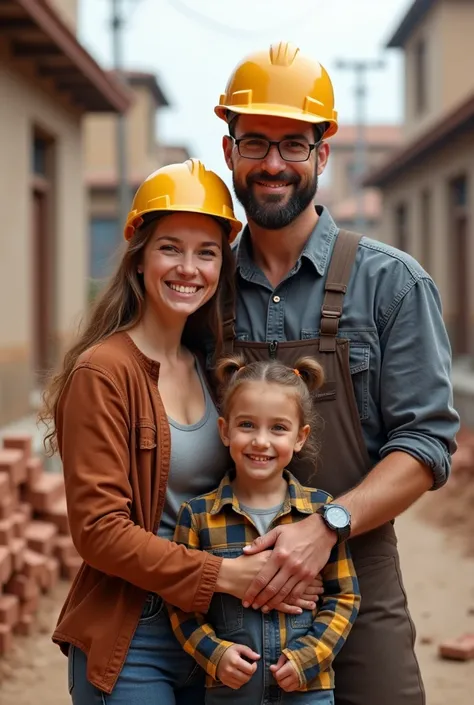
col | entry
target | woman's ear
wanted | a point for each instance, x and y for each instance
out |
(223, 427)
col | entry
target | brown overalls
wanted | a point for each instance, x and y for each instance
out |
(377, 666)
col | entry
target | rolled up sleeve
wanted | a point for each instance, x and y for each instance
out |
(416, 391)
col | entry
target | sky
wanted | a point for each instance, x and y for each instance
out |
(193, 45)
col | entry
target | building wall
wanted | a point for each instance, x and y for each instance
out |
(457, 32)
(67, 10)
(434, 174)
(26, 107)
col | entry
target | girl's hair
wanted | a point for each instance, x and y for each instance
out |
(301, 381)
(120, 306)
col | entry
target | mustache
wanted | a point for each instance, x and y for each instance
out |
(285, 176)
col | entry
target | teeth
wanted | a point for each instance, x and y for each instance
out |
(272, 185)
(183, 289)
(259, 457)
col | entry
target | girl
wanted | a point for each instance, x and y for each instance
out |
(128, 411)
(266, 421)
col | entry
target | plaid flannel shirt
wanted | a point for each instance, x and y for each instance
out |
(215, 521)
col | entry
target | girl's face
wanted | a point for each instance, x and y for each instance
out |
(182, 263)
(262, 430)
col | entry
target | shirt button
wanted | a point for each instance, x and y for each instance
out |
(276, 299)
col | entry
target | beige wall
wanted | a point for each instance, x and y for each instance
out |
(67, 10)
(100, 145)
(457, 35)
(454, 159)
(25, 106)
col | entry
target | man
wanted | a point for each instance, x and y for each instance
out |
(372, 317)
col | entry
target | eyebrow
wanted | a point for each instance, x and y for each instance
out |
(207, 243)
(277, 419)
(260, 135)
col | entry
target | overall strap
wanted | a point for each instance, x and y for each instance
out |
(340, 267)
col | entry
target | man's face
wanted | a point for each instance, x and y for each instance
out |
(273, 191)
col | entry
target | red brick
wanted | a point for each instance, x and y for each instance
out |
(52, 575)
(58, 515)
(64, 548)
(34, 565)
(71, 567)
(23, 587)
(13, 462)
(34, 469)
(6, 639)
(17, 550)
(5, 565)
(26, 509)
(40, 537)
(19, 524)
(7, 531)
(9, 610)
(30, 607)
(4, 483)
(25, 625)
(459, 649)
(7, 506)
(44, 494)
(19, 441)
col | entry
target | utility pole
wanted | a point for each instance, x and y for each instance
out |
(361, 69)
(123, 190)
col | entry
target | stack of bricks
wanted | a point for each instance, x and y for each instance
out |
(36, 549)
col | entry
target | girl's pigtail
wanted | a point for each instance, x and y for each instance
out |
(310, 372)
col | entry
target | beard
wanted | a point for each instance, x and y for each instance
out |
(270, 213)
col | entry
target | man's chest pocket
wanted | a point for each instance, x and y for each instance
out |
(359, 362)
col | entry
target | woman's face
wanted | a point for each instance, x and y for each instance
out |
(182, 263)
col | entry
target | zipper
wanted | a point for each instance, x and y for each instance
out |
(272, 349)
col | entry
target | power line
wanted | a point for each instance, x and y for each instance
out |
(232, 31)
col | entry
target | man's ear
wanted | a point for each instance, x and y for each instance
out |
(227, 146)
(323, 156)
(223, 427)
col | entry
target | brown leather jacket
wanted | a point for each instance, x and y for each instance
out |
(114, 441)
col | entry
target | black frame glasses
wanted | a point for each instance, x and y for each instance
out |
(285, 155)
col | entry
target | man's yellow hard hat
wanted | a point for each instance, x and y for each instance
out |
(188, 187)
(280, 82)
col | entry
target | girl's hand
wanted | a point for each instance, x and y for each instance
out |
(233, 670)
(285, 674)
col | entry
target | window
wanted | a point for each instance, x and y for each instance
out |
(39, 156)
(105, 239)
(426, 224)
(420, 77)
(401, 227)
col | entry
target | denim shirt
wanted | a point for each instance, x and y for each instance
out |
(400, 355)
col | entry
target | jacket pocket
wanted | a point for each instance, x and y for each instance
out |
(359, 362)
(145, 432)
(226, 612)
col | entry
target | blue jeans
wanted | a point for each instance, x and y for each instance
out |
(156, 672)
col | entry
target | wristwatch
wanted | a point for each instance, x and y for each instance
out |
(338, 519)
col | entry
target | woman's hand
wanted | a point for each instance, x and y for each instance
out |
(236, 574)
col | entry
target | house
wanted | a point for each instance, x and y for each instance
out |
(48, 82)
(428, 184)
(144, 154)
(340, 191)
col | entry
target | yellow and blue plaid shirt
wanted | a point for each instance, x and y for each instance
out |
(214, 522)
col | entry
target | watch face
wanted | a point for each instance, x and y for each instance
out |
(338, 517)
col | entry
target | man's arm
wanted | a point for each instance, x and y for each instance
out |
(420, 422)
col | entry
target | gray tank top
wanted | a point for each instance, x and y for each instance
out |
(199, 461)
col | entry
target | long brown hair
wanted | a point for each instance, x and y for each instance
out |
(119, 307)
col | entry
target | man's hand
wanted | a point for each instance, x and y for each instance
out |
(300, 552)
(233, 670)
(285, 674)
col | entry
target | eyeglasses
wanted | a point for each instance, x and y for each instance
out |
(289, 150)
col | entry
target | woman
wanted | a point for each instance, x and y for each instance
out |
(136, 430)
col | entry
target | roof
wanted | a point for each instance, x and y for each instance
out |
(347, 210)
(36, 32)
(377, 136)
(409, 23)
(461, 118)
(150, 81)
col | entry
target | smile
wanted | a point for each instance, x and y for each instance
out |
(184, 288)
(267, 184)
(260, 458)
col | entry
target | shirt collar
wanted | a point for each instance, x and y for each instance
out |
(317, 249)
(296, 497)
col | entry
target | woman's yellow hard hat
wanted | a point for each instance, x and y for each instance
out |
(188, 187)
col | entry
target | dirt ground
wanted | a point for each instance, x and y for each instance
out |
(439, 579)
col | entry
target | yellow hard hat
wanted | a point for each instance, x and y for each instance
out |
(188, 187)
(280, 82)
